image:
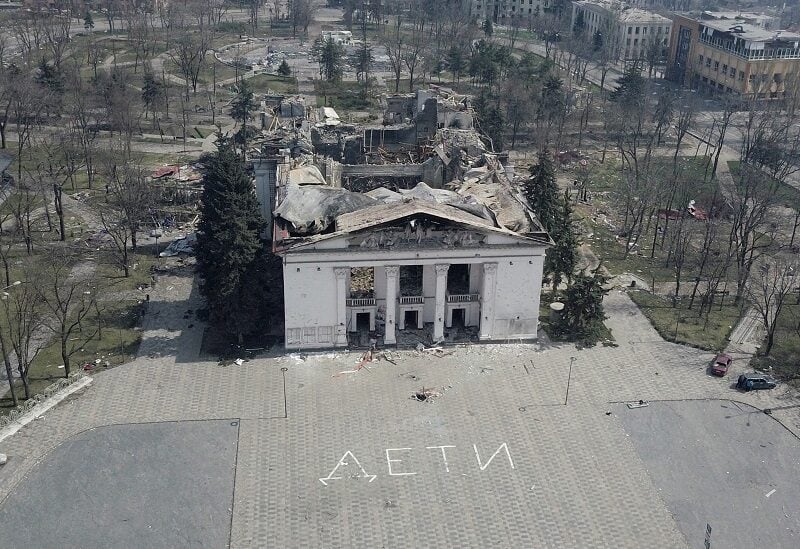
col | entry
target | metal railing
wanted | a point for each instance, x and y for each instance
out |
(462, 298)
(361, 302)
(411, 300)
(772, 53)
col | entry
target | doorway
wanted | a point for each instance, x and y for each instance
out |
(458, 279)
(362, 322)
(459, 318)
(410, 319)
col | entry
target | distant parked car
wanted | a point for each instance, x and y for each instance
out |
(755, 380)
(721, 364)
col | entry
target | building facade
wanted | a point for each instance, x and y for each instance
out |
(634, 33)
(719, 55)
(430, 270)
(505, 12)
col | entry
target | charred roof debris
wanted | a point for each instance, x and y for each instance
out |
(316, 174)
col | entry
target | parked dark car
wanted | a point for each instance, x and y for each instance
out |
(721, 364)
(755, 380)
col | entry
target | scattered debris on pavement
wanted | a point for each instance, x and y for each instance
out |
(428, 395)
(639, 404)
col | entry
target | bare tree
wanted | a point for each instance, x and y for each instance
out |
(517, 99)
(23, 316)
(188, 52)
(117, 228)
(394, 45)
(81, 110)
(56, 35)
(112, 10)
(301, 14)
(5, 45)
(7, 92)
(412, 55)
(57, 163)
(69, 298)
(27, 28)
(752, 232)
(122, 103)
(129, 205)
(5, 348)
(515, 26)
(768, 294)
(28, 102)
(253, 7)
(22, 206)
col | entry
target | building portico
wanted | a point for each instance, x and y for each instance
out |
(394, 304)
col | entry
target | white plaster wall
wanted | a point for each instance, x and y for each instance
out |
(310, 298)
(311, 295)
(519, 284)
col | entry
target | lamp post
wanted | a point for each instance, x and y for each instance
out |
(156, 233)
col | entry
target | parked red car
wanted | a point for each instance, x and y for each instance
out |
(721, 364)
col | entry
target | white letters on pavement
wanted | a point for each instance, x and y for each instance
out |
(394, 460)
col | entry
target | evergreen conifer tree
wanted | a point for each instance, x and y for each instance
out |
(630, 88)
(231, 257)
(562, 258)
(284, 69)
(541, 191)
(241, 107)
(488, 27)
(583, 304)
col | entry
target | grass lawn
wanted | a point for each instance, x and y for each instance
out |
(603, 239)
(260, 83)
(611, 250)
(786, 194)
(116, 342)
(784, 357)
(681, 325)
(344, 96)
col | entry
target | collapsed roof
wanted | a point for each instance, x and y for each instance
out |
(311, 209)
(483, 198)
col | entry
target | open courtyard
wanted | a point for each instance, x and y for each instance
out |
(526, 445)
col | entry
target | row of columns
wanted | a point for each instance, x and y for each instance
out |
(488, 287)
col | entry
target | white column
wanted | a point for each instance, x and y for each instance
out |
(390, 337)
(341, 305)
(441, 296)
(487, 299)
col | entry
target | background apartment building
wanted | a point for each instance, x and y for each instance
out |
(505, 11)
(634, 33)
(717, 53)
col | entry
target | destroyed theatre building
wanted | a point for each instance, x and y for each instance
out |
(404, 233)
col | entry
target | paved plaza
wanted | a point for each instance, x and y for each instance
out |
(526, 446)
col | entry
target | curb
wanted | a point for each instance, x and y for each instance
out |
(38, 410)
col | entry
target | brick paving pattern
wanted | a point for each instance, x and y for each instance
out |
(576, 481)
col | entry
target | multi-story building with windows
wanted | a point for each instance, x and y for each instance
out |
(719, 54)
(505, 12)
(634, 33)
